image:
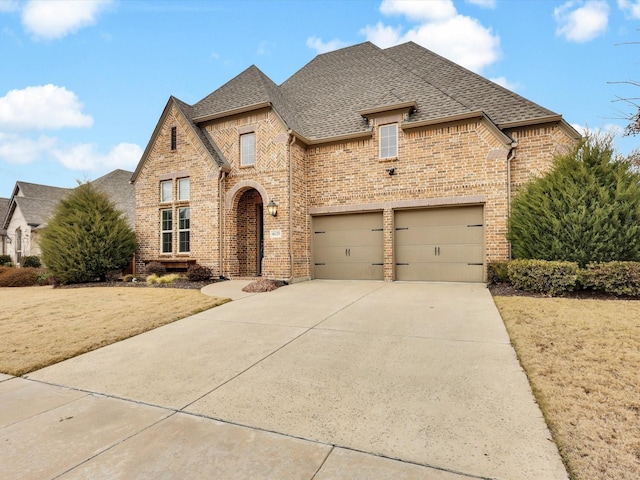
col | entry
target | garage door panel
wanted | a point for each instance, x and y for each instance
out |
(349, 271)
(439, 272)
(348, 246)
(440, 244)
(356, 237)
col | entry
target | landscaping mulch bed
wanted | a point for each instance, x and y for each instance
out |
(182, 283)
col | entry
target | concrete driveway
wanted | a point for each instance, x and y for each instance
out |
(317, 380)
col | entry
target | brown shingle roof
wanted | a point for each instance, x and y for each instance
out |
(323, 98)
(4, 209)
(476, 92)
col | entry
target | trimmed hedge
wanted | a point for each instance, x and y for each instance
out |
(155, 268)
(20, 277)
(498, 272)
(5, 259)
(617, 278)
(32, 261)
(540, 276)
(199, 273)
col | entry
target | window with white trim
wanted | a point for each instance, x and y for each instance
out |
(247, 149)
(184, 230)
(388, 140)
(166, 191)
(166, 227)
(184, 187)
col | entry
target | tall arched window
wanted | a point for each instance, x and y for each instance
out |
(18, 245)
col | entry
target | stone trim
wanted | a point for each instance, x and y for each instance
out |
(423, 202)
(245, 185)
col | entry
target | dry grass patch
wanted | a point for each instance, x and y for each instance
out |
(583, 361)
(40, 326)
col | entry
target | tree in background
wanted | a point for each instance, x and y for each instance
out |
(586, 209)
(86, 238)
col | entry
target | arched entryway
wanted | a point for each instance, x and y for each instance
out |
(249, 233)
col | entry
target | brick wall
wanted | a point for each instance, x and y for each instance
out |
(452, 164)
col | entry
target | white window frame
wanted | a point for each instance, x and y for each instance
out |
(164, 199)
(184, 229)
(164, 231)
(247, 150)
(184, 189)
(388, 140)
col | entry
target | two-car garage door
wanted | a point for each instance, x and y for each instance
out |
(435, 244)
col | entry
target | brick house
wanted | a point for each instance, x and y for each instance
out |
(389, 164)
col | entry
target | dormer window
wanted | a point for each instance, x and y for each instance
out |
(389, 141)
(247, 149)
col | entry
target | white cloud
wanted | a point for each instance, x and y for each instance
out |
(580, 22)
(46, 107)
(323, 47)
(483, 3)
(22, 150)
(9, 6)
(459, 38)
(85, 157)
(503, 82)
(419, 10)
(631, 8)
(53, 19)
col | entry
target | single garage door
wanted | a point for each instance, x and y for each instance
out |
(348, 247)
(440, 244)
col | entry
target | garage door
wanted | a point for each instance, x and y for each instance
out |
(440, 244)
(348, 247)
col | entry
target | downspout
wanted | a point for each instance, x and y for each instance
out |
(510, 156)
(222, 175)
(292, 140)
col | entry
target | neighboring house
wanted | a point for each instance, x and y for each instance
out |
(4, 208)
(387, 164)
(31, 205)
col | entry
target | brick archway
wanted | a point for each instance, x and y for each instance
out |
(245, 229)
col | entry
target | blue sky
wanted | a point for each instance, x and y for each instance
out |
(83, 83)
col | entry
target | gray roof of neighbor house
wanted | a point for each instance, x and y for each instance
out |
(4, 209)
(36, 202)
(326, 97)
(121, 191)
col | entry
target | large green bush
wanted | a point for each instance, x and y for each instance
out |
(587, 209)
(86, 238)
(540, 276)
(32, 261)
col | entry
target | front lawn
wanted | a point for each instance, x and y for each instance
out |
(582, 357)
(40, 326)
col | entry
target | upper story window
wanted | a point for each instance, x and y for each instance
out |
(247, 149)
(174, 138)
(389, 141)
(184, 187)
(166, 191)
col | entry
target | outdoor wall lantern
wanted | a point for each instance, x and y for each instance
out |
(272, 208)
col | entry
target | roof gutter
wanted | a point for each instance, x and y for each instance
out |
(338, 138)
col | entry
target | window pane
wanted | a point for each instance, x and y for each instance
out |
(183, 189)
(166, 226)
(166, 191)
(183, 246)
(167, 220)
(183, 218)
(248, 149)
(388, 141)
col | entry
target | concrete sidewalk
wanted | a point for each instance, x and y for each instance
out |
(315, 380)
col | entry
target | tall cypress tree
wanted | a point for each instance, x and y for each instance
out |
(586, 209)
(87, 237)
